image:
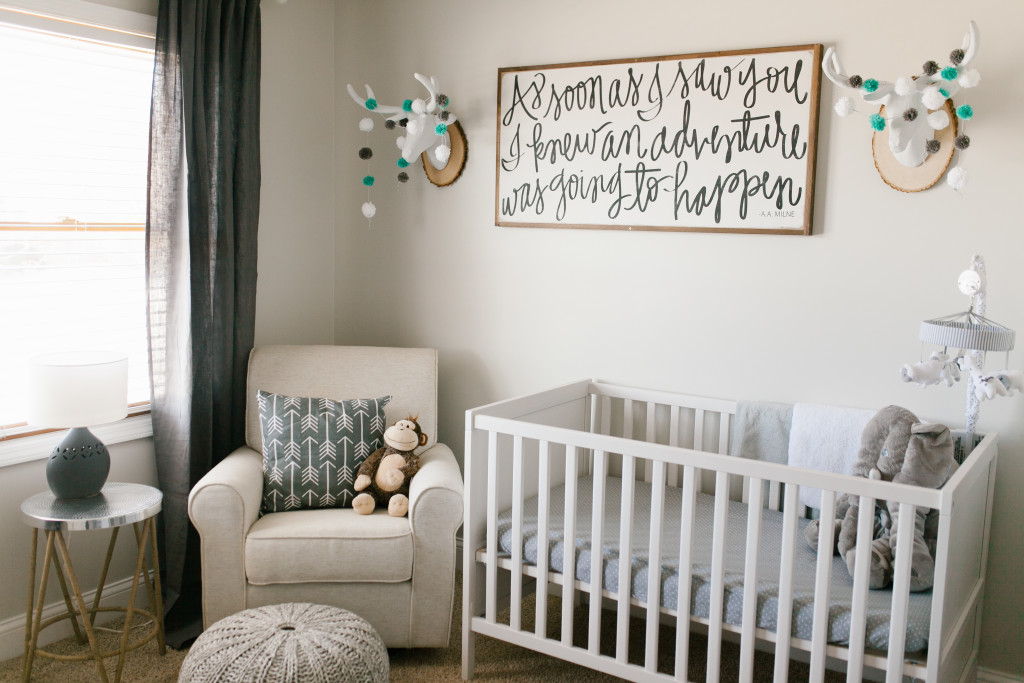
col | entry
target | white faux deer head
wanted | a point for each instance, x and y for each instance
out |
(914, 106)
(422, 123)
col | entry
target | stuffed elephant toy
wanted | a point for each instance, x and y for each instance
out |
(896, 447)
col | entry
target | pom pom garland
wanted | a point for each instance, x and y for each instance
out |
(403, 122)
(371, 104)
(938, 120)
(930, 68)
(902, 86)
(969, 79)
(444, 115)
(878, 122)
(407, 105)
(844, 106)
(949, 73)
(944, 93)
(910, 114)
(390, 124)
(442, 152)
(932, 98)
(856, 81)
(413, 127)
(365, 153)
(368, 181)
(442, 100)
(440, 129)
(965, 112)
(962, 142)
(369, 209)
(956, 56)
(403, 177)
(366, 125)
(400, 141)
(932, 146)
(870, 85)
(402, 163)
(419, 106)
(956, 178)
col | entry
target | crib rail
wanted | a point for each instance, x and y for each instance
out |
(521, 448)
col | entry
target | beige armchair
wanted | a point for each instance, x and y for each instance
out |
(396, 572)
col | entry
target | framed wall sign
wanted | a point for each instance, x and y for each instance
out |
(712, 142)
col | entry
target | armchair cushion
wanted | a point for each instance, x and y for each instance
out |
(312, 448)
(338, 545)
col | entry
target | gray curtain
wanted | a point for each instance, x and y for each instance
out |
(204, 192)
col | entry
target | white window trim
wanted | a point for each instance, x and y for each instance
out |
(38, 447)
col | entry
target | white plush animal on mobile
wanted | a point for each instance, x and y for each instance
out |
(985, 386)
(1013, 380)
(937, 368)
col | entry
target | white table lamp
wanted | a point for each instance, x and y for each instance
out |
(77, 390)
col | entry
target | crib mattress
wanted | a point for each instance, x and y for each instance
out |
(879, 602)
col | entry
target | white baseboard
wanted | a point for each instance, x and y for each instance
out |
(990, 676)
(12, 630)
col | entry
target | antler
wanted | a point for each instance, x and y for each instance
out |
(379, 108)
(970, 45)
(833, 70)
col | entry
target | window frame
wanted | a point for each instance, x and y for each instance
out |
(100, 23)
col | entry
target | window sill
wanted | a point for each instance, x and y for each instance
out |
(38, 447)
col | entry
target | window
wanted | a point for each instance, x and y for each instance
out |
(74, 132)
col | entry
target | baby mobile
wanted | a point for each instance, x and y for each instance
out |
(916, 111)
(424, 127)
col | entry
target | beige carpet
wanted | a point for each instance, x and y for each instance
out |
(495, 660)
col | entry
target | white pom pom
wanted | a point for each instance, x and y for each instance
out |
(932, 98)
(414, 127)
(969, 79)
(369, 209)
(442, 153)
(844, 106)
(366, 125)
(418, 106)
(938, 119)
(902, 85)
(400, 142)
(956, 178)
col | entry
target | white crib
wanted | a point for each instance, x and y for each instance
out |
(523, 453)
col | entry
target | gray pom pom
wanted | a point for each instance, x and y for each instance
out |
(962, 142)
(365, 153)
(930, 68)
(910, 114)
(442, 100)
(444, 115)
(956, 56)
(403, 177)
(389, 124)
(932, 146)
(856, 81)
(403, 122)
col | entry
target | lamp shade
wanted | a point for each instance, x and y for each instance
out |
(78, 389)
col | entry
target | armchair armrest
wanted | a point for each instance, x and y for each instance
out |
(222, 506)
(435, 514)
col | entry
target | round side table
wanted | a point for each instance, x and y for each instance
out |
(116, 505)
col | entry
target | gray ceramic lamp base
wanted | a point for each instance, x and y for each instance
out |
(78, 466)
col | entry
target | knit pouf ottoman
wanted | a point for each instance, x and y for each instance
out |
(291, 643)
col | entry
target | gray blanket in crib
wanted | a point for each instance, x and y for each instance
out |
(879, 602)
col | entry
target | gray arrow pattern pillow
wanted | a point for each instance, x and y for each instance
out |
(312, 448)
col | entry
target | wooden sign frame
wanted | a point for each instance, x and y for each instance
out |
(705, 142)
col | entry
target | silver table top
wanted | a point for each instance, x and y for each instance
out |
(117, 504)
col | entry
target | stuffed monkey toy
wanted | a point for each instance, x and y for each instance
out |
(384, 476)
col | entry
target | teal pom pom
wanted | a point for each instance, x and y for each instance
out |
(870, 85)
(944, 93)
(878, 122)
(407, 105)
(402, 163)
(368, 181)
(371, 104)
(965, 111)
(949, 73)
(440, 129)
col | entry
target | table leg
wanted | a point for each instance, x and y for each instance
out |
(130, 612)
(30, 647)
(82, 608)
(158, 609)
(67, 600)
(31, 597)
(103, 575)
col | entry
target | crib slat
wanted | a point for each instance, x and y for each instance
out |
(675, 471)
(822, 586)
(597, 553)
(774, 494)
(654, 566)
(650, 436)
(685, 572)
(627, 418)
(543, 542)
(900, 593)
(625, 559)
(492, 527)
(784, 620)
(723, 433)
(858, 608)
(569, 545)
(717, 575)
(698, 429)
(516, 609)
(753, 550)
